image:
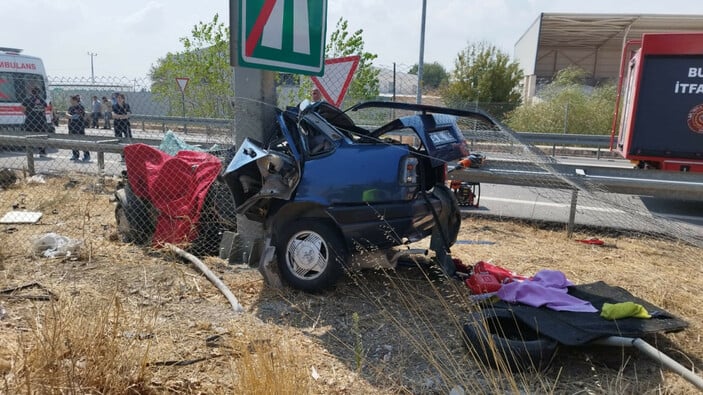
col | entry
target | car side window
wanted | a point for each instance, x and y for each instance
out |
(405, 135)
(319, 135)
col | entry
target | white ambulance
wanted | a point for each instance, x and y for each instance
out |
(19, 74)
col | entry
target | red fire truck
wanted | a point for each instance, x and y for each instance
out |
(660, 102)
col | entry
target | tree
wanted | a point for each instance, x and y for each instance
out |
(434, 75)
(483, 74)
(205, 61)
(365, 84)
(567, 105)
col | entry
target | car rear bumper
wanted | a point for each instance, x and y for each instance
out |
(386, 225)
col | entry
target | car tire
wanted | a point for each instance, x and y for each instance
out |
(216, 216)
(454, 217)
(498, 339)
(311, 254)
(135, 217)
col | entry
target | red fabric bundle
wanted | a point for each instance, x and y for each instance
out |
(175, 185)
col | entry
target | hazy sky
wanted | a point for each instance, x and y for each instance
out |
(130, 35)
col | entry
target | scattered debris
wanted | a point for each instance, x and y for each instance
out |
(214, 341)
(10, 293)
(592, 241)
(457, 390)
(477, 242)
(139, 336)
(182, 362)
(21, 217)
(52, 245)
(5, 366)
(210, 276)
(314, 374)
(36, 179)
(7, 178)
(71, 184)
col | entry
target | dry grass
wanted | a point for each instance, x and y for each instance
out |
(79, 346)
(130, 320)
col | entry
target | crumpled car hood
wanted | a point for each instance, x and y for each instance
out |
(255, 173)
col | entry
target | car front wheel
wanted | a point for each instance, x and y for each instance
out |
(311, 254)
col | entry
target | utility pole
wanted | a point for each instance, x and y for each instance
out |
(92, 70)
(422, 53)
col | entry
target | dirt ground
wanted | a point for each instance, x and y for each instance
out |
(160, 327)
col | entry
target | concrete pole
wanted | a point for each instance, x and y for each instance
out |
(254, 116)
(254, 109)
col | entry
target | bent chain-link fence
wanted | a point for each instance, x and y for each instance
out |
(163, 152)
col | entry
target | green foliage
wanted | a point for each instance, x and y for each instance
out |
(485, 74)
(434, 75)
(205, 60)
(567, 106)
(365, 84)
(570, 76)
(293, 91)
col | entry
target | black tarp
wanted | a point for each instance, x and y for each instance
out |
(575, 329)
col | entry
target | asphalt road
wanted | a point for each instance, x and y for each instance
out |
(599, 209)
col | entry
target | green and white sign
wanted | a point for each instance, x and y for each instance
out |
(282, 35)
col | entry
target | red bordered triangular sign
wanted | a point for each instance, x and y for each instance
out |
(338, 75)
(182, 83)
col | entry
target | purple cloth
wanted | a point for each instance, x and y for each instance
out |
(547, 288)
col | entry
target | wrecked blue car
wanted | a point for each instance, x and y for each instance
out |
(326, 188)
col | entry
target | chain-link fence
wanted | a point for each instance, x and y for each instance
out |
(91, 168)
(119, 131)
(77, 130)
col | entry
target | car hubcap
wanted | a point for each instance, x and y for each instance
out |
(307, 255)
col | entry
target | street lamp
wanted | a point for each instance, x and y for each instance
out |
(92, 71)
(422, 53)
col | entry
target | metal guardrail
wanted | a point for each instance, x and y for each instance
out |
(169, 120)
(646, 182)
(655, 183)
(179, 121)
(98, 144)
(583, 140)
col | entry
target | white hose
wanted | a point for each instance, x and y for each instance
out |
(210, 276)
(655, 354)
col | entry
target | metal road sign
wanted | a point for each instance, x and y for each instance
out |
(338, 75)
(182, 83)
(282, 35)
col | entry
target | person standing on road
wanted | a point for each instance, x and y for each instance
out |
(76, 125)
(106, 108)
(120, 116)
(34, 107)
(95, 113)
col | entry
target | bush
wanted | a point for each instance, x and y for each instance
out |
(567, 106)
